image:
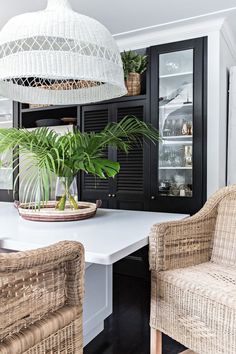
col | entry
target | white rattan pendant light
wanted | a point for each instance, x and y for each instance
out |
(58, 56)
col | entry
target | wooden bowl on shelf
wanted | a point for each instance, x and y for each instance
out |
(69, 120)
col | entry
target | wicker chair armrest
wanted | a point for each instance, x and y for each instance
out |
(38, 282)
(180, 244)
(69, 252)
(59, 252)
(186, 242)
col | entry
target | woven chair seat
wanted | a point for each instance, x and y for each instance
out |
(208, 280)
(201, 303)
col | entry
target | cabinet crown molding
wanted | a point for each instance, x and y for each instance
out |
(167, 33)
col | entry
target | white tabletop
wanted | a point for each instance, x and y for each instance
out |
(107, 237)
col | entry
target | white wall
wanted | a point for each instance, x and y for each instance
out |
(227, 60)
(220, 57)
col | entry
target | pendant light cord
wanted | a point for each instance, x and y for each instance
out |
(55, 4)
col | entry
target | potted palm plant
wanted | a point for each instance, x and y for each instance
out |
(134, 65)
(45, 154)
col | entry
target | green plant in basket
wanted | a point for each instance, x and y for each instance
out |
(134, 63)
(45, 154)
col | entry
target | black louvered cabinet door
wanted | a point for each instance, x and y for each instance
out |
(130, 186)
(94, 119)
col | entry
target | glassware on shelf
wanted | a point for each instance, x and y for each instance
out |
(174, 190)
(185, 190)
(189, 128)
(164, 187)
(172, 67)
(188, 153)
(171, 156)
(176, 123)
(184, 128)
(179, 179)
(176, 62)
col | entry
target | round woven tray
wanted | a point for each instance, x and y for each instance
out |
(49, 213)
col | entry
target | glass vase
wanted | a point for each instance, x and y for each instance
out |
(66, 193)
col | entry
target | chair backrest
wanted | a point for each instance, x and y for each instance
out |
(224, 243)
(36, 283)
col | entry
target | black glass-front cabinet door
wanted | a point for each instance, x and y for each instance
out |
(178, 112)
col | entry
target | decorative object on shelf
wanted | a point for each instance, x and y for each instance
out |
(48, 122)
(177, 96)
(58, 56)
(134, 65)
(32, 106)
(174, 190)
(164, 187)
(190, 128)
(66, 155)
(179, 179)
(188, 153)
(133, 84)
(185, 190)
(172, 67)
(185, 129)
(174, 121)
(69, 120)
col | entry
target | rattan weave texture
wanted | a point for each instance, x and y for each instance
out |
(41, 298)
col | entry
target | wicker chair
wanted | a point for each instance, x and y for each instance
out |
(41, 295)
(193, 264)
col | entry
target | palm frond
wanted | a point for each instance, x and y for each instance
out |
(45, 154)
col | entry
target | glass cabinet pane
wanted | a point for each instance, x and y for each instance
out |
(6, 121)
(176, 123)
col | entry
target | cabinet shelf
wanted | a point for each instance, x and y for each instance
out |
(178, 140)
(176, 137)
(173, 106)
(176, 75)
(49, 108)
(176, 168)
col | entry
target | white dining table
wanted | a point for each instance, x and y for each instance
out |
(107, 238)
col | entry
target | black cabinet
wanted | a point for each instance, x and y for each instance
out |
(129, 188)
(170, 176)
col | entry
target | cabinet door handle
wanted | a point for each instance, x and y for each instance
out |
(153, 197)
(109, 195)
(113, 195)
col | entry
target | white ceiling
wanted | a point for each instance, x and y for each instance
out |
(126, 15)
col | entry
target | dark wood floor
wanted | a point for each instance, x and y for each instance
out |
(127, 329)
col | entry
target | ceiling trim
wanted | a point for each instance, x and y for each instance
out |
(208, 15)
(168, 33)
